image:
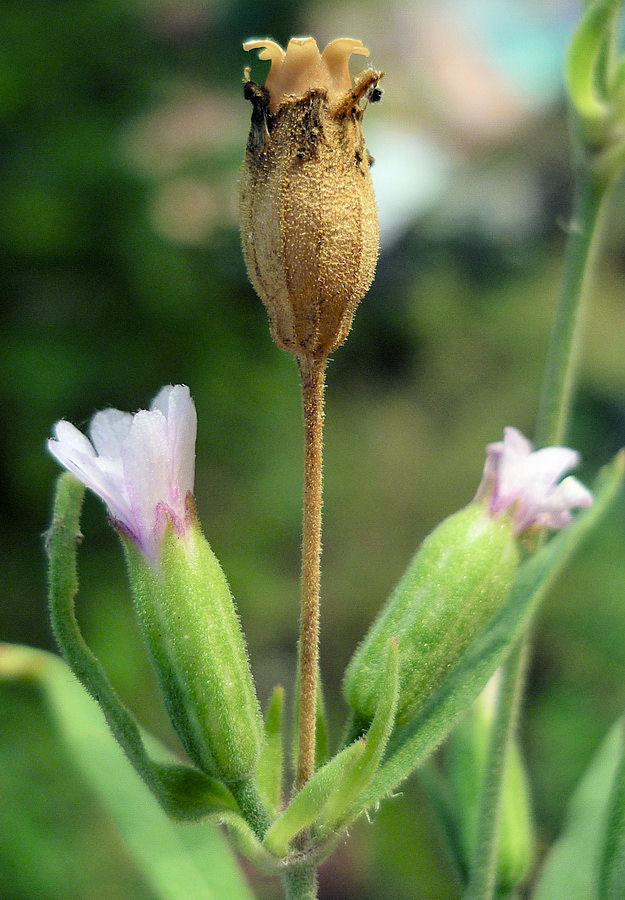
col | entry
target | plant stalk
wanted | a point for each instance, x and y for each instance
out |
(553, 417)
(300, 882)
(312, 373)
(483, 872)
(562, 356)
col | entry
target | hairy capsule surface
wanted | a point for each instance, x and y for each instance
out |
(309, 223)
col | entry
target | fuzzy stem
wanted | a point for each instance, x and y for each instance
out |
(484, 862)
(300, 883)
(554, 411)
(562, 356)
(312, 373)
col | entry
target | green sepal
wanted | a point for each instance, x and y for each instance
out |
(456, 581)
(306, 805)
(270, 761)
(192, 630)
(466, 759)
(185, 793)
(412, 744)
(587, 69)
(343, 804)
(612, 863)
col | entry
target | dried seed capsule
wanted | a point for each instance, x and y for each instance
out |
(308, 218)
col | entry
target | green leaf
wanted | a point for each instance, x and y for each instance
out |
(571, 868)
(185, 793)
(174, 862)
(269, 771)
(612, 872)
(343, 804)
(413, 743)
(331, 797)
(306, 805)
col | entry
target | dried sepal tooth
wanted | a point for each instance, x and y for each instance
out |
(308, 217)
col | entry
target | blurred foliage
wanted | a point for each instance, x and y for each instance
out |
(126, 845)
(122, 127)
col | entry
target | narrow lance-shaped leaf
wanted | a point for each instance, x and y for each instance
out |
(571, 868)
(612, 872)
(175, 862)
(306, 805)
(185, 793)
(331, 797)
(269, 771)
(413, 743)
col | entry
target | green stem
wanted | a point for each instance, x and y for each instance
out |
(562, 356)
(300, 883)
(484, 863)
(553, 415)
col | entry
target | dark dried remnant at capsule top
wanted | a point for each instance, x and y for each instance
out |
(308, 217)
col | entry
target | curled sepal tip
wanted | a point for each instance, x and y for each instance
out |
(595, 79)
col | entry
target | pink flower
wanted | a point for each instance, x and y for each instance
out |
(141, 465)
(526, 482)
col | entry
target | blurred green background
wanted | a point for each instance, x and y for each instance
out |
(123, 126)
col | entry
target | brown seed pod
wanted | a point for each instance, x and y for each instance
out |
(309, 222)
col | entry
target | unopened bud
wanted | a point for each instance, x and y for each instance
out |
(462, 573)
(466, 757)
(458, 578)
(308, 217)
(192, 630)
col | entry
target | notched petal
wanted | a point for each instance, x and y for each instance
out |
(336, 58)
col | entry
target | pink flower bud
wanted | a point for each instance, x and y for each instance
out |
(526, 483)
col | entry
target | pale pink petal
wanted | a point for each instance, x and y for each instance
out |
(181, 428)
(146, 466)
(142, 465)
(161, 401)
(108, 430)
(550, 463)
(88, 469)
(569, 493)
(522, 480)
(73, 439)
